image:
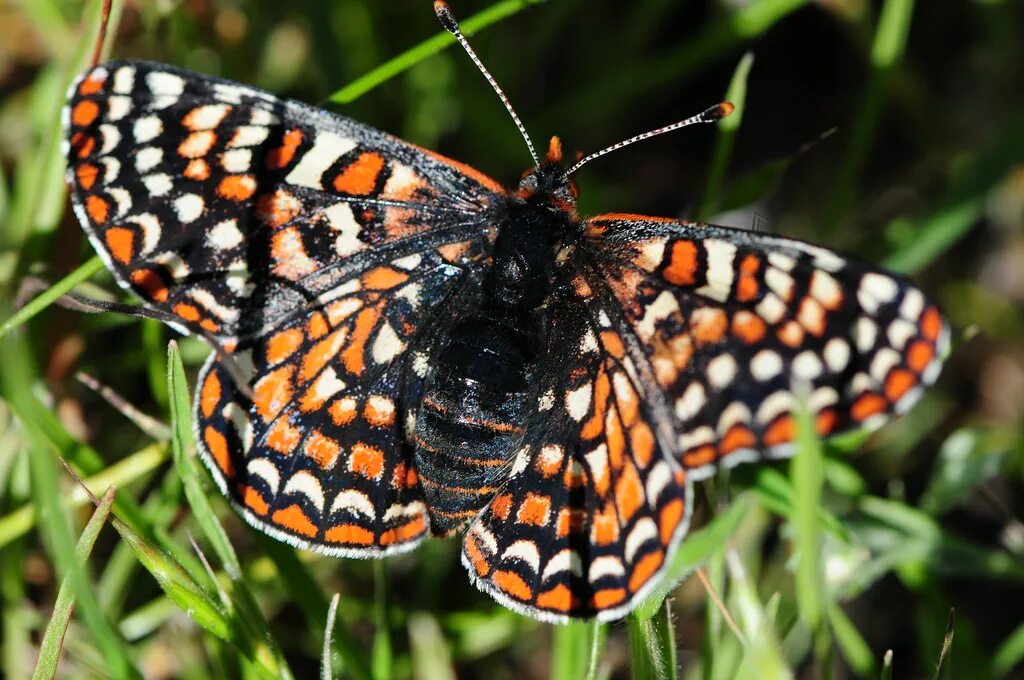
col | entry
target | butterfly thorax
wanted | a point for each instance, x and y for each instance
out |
(471, 415)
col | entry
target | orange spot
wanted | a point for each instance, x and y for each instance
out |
(825, 422)
(283, 438)
(361, 176)
(812, 316)
(403, 533)
(748, 327)
(781, 431)
(352, 356)
(709, 325)
(84, 113)
(320, 354)
(899, 383)
(343, 411)
(322, 449)
(682, 269)
(83, 144)
(608, 597)
(476, 556)
(186, 312)
(91, 84)
(282, 345)
(317, 326)
(605, 526)
(197, 144)
(629, 492)
(641, 440)
(644, 569)
(612, 344)
(197, 169)
(868, 405)
(595, 426)
(570, 521)
(366, 460)
(534, 509)
(98, 209)
(273, 392)
(237, 187)
(616, 442)
(738, 437)
(501, 505)
(382, 278)
(295, 519)
(668, 520)
(217, 445)
(379, 412)
(931, 324)
(209, 325)
(120, 243)
(746, 287)
(283, 155)
(512, 584)
(559, 599)
(278, 207)
(702, 455)
(210, 395)
(254, 501)
(349, 533)
(86, 174)
(151, 284)
(791, 334)
(919, 355)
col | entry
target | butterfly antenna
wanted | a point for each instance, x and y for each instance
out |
(715, 113)
(444, 13)
(101, 38)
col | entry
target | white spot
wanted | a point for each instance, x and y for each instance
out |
(188, 207)
(735, 413)
(779, 281)
(696, 437)
(913, 304)
(147, 128)
(356, 502)
(765, 365)
(691, 402)
(645, 530)
(111, 169)
(566, 559)
(236, 160)
(771, 308)
(401, 179)
(327, 385)
(224, 235)
(420, 364)
(597, 461)
(150, 227)
(606, 565)
(303, 482)
(775, 405)
(825, 288)
(398, 511)
(239, 419)
(340, 218)
(327, 148)
(658, 480)
(825, 259)
(860, 383)
(177, 267)
(837, 354)
(806, 365)
(551, 455)
(230, 93)
(651, 254)
(263, 117)
(522, 460)
(546, 401)
(822, 398)
(884, 361)
(165, 84)
(382, 405)
(525, 551)
(237, 279)
(588, 344)
(208, 300)
(124, 80)
(783, 262)
(409, 262)
(387, 345)
(207, 117)
(864, 333)
(118, 107)
(490, 544)
(123, 200)
(265, 470)
(899, 332)
(147, 158)
(663, 306)
(876, 290)
(248, 135)
(577, 402)
(721, 370)
(720, 270)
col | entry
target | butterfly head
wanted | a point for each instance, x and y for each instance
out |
(548, 183)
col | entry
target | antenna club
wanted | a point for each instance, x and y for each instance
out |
(446, 16)
(554, 154)
(721, 111)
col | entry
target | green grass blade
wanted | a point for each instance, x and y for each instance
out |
(432, 45)
(652, 645)
(570, 650)
(1010, 652)
(382, 660)
(808, 478)
(727, 128)
(431, 655)
(326, 665)
(598, 636)
(943, 669)
(51, 294)
(886, 673)
(53, 637)
(855, 649)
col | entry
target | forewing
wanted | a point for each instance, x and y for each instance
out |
(234, 210)
(314, 452)
(592, 508)
(737, 328)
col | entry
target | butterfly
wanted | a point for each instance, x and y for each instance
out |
(406, 348)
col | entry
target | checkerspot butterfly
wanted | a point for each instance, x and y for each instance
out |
(406, 348)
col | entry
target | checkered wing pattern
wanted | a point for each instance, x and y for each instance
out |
(313, 251)
(734, 329)
(593, 506)
(232, 209)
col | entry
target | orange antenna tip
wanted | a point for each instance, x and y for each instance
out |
(447, 17)
(554, 150)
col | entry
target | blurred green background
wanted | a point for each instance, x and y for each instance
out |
(892, 129)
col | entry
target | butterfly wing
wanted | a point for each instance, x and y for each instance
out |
(593, 507)
(736, 329)
(314, 251)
